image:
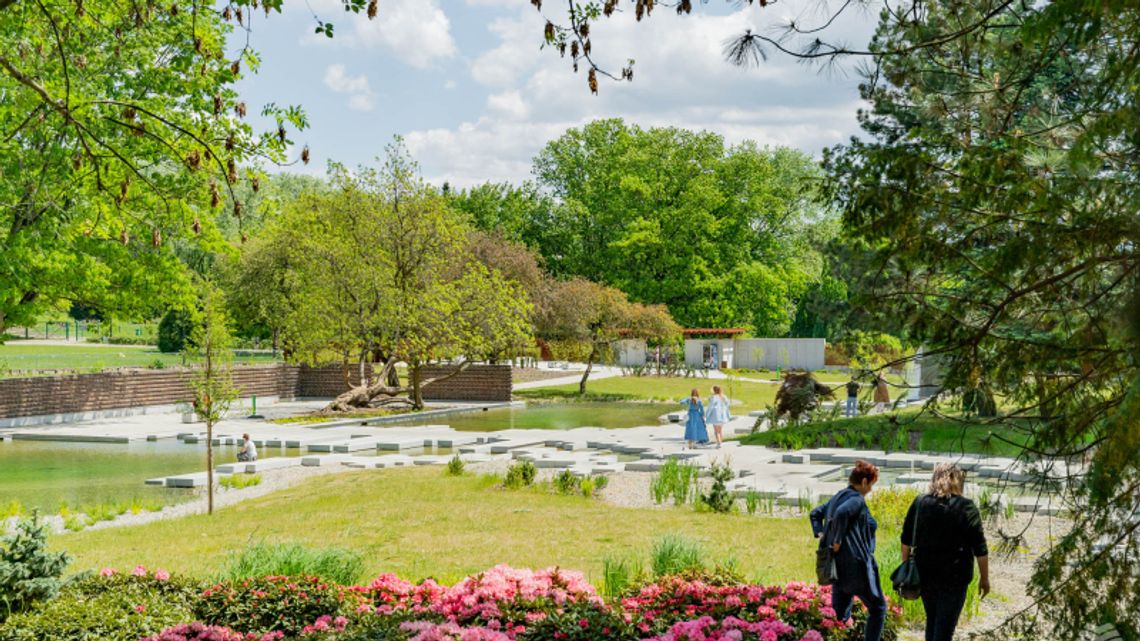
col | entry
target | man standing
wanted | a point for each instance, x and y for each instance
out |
(852, 407)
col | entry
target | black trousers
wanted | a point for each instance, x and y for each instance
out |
(943, 604)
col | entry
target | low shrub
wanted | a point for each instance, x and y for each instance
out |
(269, 604)
(587, 487)
(332, 564)
(674, 480)
(455, 466)
(202, 632)
(619, 574)
(566, 482)
(108, 607)
(520, 474)
(601, 482)
(718, 498)
(28, 572)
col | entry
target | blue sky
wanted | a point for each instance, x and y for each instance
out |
(466, 85)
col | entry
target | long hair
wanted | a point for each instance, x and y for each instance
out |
(695, 394)
(948, 480)
(717, 392)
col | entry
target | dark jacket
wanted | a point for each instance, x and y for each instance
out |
(950, 535)
(846, 520)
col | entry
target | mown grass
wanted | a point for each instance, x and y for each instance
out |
(892, 432)
(420, 523)
(93, 358)
(752, 396)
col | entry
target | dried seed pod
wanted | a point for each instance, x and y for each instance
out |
(80, 62)
(549, 31)
(231, 171)
(237, 209)
(586, 48)
(235, 67)
(684, 6)
(217, 104)
(239, 109)
(574, 50)
(215, 197)
(196, 227)
(227, 14)
(609, 7)
(562, 49)
(124, 237)
(129, 113)
(255, 184)
(174, 9)
(281, 133)
(198, 45)
(193, 159)
(156, 237)
(79, 9)
(592, 80)
(244, 238)
(230, 142)
(124, 189)
(240, 17)
(537, 4)
(584, 29)
(373, 9)
(77, 161)
(305, 155)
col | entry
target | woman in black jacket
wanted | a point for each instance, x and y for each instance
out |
(950, 538)
(845, 523)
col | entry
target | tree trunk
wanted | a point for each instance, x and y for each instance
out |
(589, 367)
(417, 388)
(209, 467)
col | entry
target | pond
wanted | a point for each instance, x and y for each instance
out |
(44, 475)
(551, 416)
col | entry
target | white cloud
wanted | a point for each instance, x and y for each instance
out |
(681, 79)
(509, 104)
(360, 95)
(416, 31)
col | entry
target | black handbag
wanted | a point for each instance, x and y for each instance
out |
(825, 571)
(905, 579)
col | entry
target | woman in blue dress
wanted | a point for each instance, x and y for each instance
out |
(717, 414)
(695, 431)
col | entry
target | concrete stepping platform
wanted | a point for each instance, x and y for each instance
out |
(324, 460)
(262, 465)
(475, 449)
(396, 445)
(378, 462)
(197, 479)
(431, 459)
(504, 447)
(77, 438)
(455, 441)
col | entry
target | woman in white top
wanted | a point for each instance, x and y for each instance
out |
(717, 413)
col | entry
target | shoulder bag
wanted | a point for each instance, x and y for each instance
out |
(905, 579)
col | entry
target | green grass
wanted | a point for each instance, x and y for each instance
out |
(752, 396)
(294, 559)
(93, 358)
(419, 523)
(878, 432)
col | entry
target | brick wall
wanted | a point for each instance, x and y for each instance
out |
(42, 395)
(46, 395)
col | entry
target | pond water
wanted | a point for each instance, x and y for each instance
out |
(551, 416)
(44, 475)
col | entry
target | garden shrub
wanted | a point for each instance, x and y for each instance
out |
(600, 482)
(719, 499)
(332, 564)
(28, 572)
(455, 466)
(520, 474)
(115, 607)
(566, 482)
(269, 604)
(674, 479)
(587, 487)
(201, 632)
(174, 331)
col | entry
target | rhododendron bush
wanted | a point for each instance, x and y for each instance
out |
(503, 604)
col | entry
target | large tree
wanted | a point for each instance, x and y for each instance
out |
(381, 270)
(600, 316)
(674, 217)
(120, 129)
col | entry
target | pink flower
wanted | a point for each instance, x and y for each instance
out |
(161, 575)
(140, 608)
(107, 572)
(139, 571)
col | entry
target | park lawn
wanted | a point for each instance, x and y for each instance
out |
(93, 358)
(878, 432)
(752, 396)
(419, 522)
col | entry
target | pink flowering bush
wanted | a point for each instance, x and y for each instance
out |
(202, 632)
(270, 604)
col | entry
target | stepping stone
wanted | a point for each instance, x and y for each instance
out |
(431, 460)
(275, 463)
(644, 465)
(503, 447)
(390, 445)
(475, 449)
(324, 460)
(454, 441)
(197, 479)
(798, 459)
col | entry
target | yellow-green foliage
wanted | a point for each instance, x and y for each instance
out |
(240, 481)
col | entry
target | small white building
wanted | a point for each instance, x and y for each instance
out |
(724, 349)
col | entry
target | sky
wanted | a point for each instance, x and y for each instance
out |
(475, 98)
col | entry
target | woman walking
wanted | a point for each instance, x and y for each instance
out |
(717, 414)
(948, 540)
(695, 431)
(845, 523)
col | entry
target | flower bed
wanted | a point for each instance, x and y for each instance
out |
(501, 604)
